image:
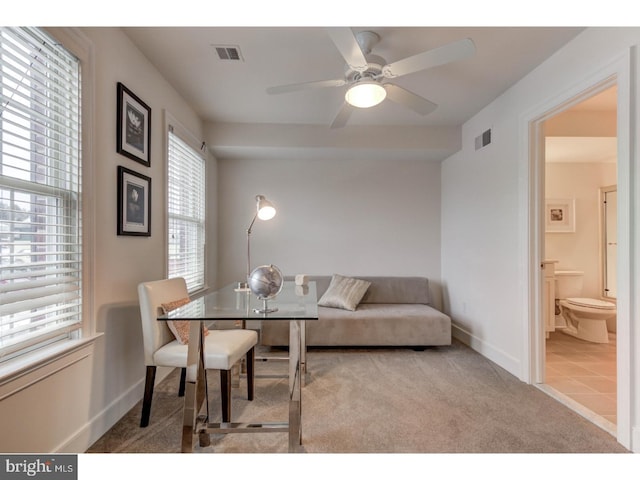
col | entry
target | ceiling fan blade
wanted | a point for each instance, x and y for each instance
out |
(343, 116)
(347, 44)
(451, 52)
(294, 87)
(408, 99)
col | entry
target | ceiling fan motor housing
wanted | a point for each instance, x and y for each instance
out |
(372, 72)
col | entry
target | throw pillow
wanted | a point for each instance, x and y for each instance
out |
(179, 328)
(344, 292)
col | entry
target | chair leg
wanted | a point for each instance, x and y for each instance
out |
(183, 379)
(148, 395)
(251, 361)
(225, 394)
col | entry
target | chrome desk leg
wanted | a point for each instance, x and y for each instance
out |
(237, 370)
(303, 352)
(195, 388)
(295, 393)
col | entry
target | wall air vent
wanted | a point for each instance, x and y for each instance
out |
(228, 52)
(483, 140)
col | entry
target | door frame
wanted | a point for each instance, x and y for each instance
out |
(617, 73)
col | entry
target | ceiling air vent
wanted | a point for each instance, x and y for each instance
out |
(228, 52)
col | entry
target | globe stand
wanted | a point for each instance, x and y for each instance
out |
(265, 309)
(265, 282)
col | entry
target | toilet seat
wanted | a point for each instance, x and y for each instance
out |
(586, 318)
(591, 303)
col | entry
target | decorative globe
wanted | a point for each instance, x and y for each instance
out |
(265, 281)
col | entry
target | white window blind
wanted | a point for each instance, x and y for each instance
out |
(186, 213)
(40, 221)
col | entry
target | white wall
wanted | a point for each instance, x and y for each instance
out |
(335, 215)
(70, 409)
(485, 205)
(480, 243)
(346, 215)
(579, 250)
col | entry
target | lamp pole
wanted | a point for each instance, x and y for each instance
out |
(265, 211)
(249, 248)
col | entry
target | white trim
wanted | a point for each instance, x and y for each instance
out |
(30, 369)
(79, 44)
(184, 133)
(91, 431)
(633, 340)
(625, 226)
(532, 232)
(496, 355)
(73, 40)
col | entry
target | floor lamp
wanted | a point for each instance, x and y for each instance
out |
(264, 211)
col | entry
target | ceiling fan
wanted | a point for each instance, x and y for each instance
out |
(366, 74)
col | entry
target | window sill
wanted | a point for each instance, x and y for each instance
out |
(23, 371)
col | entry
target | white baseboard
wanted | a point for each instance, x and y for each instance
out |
(509, 363)
(108, 417)
(635, 440)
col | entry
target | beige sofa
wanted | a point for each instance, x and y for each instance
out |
(395, 311)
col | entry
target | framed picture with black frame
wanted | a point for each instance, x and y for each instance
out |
(134, 203)
(133, 127)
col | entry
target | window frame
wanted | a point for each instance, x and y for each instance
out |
(32, 360)
(175, 127)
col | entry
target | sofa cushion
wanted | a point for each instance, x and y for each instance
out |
(370, 325)
(397, 290)
(344, 293)
(379, 325)
(384, 289)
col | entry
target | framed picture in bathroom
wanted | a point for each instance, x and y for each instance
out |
(559, 214)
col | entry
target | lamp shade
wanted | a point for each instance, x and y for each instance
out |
(365, 94)
(265, 209)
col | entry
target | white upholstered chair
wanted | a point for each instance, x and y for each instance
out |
(222, 348)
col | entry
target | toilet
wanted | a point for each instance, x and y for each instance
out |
(585, 318)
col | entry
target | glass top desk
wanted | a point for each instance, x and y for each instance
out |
(295, 304)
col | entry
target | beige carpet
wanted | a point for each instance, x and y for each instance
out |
(441, 400)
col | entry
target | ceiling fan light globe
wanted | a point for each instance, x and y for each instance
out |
(365, 94)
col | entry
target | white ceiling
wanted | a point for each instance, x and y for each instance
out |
(591, 148)
(581, 149)
(233, 93)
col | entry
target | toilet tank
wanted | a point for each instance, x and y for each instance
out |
(568, 283)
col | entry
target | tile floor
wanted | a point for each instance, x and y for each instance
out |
(584, 372)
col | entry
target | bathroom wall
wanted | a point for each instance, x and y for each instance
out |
(579, 250)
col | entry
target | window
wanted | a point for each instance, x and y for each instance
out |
(40, 192)
(186, 212)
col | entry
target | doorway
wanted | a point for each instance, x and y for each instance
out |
(580, 166)
(539, 127)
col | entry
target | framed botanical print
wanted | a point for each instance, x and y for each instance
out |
(133, 127)
(134, 203)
